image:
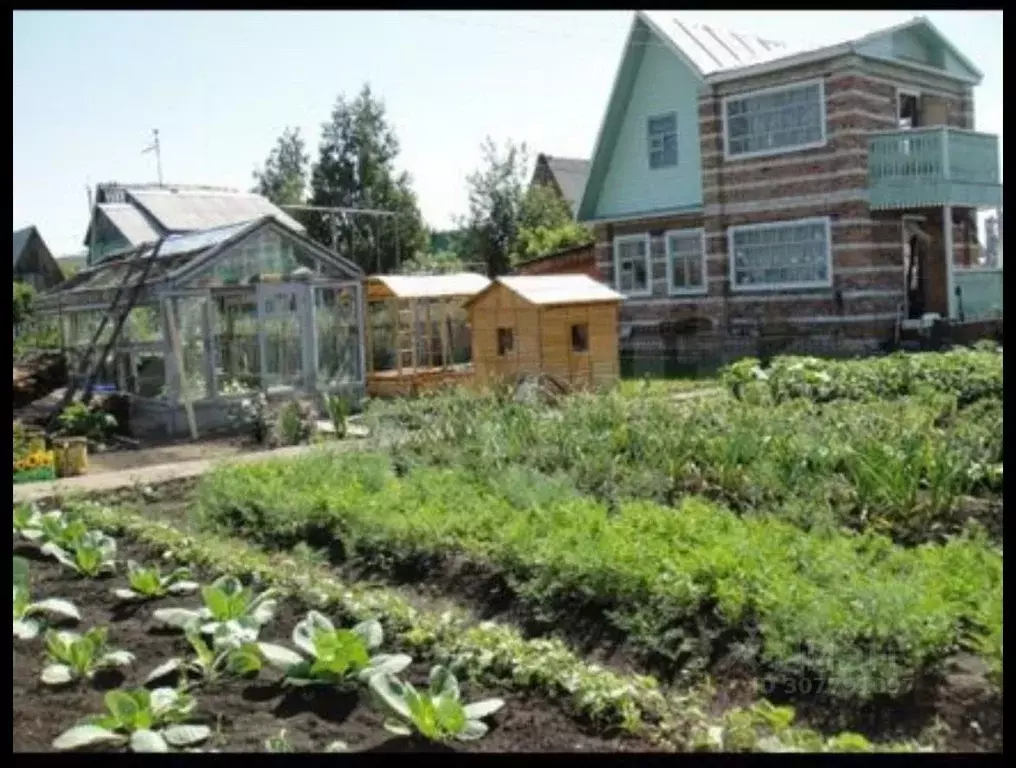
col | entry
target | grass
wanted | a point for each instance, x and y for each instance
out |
(640, 387)
(679, 583)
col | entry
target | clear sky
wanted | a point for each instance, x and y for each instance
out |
(220, 86)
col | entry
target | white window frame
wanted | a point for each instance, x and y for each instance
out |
(770, 287)
(765, 92)
(686, 291)
(620, 240)
(649, 141)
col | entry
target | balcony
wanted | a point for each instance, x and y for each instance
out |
(978, 294)
(933, 167)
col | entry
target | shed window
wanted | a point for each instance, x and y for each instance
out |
(505, 341)
(686, 261)
(580, 337)
(632, 268)
(662, 131)
(786, 254)
(775, 120)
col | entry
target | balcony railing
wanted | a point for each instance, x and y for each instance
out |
(933, 167)
(978, 293)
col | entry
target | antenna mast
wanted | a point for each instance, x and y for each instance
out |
(158, 153)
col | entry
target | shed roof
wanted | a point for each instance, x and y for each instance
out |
(182, 210)
(131, 222)
(555, 290)
(431, 286)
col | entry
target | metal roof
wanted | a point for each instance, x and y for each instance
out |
(131, 222)
(432, 286)
(546, 290)
(183, 210)
(189, 242)
(570, 174)
(713, 49)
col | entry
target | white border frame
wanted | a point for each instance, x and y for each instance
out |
(820, 81)
(649, 141)
(698, 290)
(644, 237)
(770, 287)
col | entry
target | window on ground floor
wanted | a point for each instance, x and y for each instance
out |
(790, 254)
(505, 341)
(580, 337)
(632, 268)
(686, 261)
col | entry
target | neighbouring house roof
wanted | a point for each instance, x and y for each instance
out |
(430, 286)
(570, 174)
(21, 238)
(183, 210)
(555, 290)
(583, 248)
(131, 223)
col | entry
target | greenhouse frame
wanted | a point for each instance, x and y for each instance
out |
(248, 307)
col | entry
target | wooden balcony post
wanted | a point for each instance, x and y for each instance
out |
(950, 278)
(945, 154)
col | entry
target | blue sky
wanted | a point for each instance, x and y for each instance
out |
(221, 86)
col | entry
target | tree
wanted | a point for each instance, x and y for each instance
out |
(433, 262)
(24, 296)
(356, 169)
(546, 224)
(496, 192)
(283, 179)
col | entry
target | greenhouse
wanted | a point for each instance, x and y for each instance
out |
(219, 313)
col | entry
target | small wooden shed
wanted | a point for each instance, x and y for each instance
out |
(417, 336)
(565, 326)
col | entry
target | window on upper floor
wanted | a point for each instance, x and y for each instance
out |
(781, 255)
(686, 261)
(632, 266)
(662, 140)
(784, 119)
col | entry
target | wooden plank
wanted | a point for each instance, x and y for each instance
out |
(174, 337)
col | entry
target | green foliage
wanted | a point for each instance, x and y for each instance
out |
(852, 609)
(151, 584)
(26, 625)
(356, 169)
(433, 262)
(91, 555)
(546, 225)
(295, 424)
(228, 654)
(24, 297)
(338, 412)
(283, 179)
(146, 721)
(436, 714)
(225, 603)
(72, 656)
(330, 656)
(969, 374)
(79, 420)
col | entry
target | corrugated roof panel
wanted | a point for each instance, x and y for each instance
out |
(559, 289)
(715, 49)
(183, 210)
(199, 241)
(131, 222)
(432, 286)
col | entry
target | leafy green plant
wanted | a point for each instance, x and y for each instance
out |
(330, 656)
(281, 745)
(49, 527)
(72, 656)
(92, 555)
(295, 424)
(151, 584)
(338, 412)
(226, 603)
(78, 420)
(436, 714)
(226, 655)
(143, 720)
(26, 625)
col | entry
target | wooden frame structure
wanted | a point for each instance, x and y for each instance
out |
(562, 326)
(222, 313)
(416, 331)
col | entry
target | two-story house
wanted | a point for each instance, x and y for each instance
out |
(741, 190)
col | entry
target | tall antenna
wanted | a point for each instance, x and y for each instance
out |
(158, 153)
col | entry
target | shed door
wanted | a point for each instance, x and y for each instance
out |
(282, 310)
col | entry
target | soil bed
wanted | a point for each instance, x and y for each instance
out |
(244, 713)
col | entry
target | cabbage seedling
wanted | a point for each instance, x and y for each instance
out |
(93, 555)
(146, 721)
(330, 656)
(226, 602)
(436, 714)
(50, 527)
(26, 626)
(150, 584)
(73, 657)
(226, 654)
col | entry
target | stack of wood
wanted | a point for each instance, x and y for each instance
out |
(37, 377)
